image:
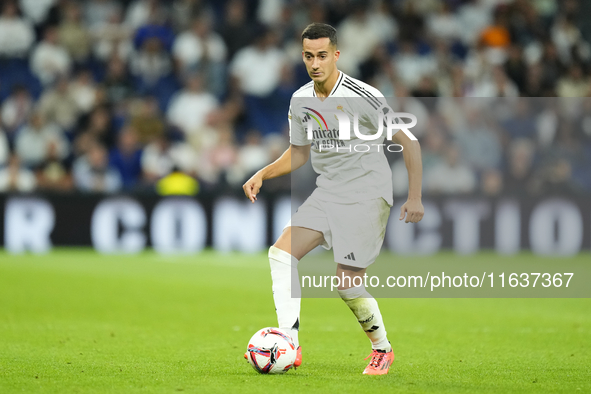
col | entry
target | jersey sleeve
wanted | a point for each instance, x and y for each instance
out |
(297, 132)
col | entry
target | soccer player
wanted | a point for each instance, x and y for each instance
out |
(349, 209)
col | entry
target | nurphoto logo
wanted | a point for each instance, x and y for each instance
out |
(327, 139)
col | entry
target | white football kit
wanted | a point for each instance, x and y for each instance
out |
(351, 203)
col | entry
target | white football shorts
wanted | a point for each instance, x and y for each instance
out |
(354, 231)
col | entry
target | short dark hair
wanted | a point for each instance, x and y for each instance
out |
(315, 31)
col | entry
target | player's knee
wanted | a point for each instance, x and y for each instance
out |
(284, 241)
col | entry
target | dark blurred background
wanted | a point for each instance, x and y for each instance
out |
(110, 96)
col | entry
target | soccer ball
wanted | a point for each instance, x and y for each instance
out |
(271, 351)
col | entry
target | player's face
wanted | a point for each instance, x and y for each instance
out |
(320, 58)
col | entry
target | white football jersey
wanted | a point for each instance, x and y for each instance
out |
(350, 170)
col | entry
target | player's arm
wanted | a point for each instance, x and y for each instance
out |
(411, 150)
(293, 158)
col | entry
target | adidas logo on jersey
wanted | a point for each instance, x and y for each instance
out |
(350, 256)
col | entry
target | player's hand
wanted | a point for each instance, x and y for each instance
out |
(252, 187)
(413, 209)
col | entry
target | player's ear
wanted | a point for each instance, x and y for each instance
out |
(337, 53)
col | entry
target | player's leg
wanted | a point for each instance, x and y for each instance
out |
(293, 244)
(357, 233)
(366, 310)
(363, 306)
(298, 241)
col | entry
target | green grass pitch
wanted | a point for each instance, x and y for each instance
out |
(78, 322)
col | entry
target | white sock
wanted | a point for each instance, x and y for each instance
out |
(284, 272)
(366, 309)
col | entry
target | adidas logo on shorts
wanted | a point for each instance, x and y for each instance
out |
(350, 256)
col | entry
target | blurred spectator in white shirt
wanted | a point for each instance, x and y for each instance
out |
(37, 139)
(16, 33)
(97, 12)
(359, 34)
(383, 22)
(574, 84)
(217, 161)
(92, 172)
(184, 11)
(444, 24)
(83, 91)
(497, 85)
(59, 105)
(202, 48)
(112, 38)
(36, 10)
(16, 109)
(412, 66)
(269, 11)
(258, 67)
(565, 35)
(188, 110)
(162, 155)
(480, 145)
(252, 156)
(450, 177)
(15, 178)
(151, 62)
(49, 59)
(474, 16)
(139, 12)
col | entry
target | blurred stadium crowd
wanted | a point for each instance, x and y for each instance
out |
(112, 95)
